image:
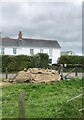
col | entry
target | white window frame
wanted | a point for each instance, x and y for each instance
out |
(2, 51)
(41, 50)
(31, 51)
(14, 50)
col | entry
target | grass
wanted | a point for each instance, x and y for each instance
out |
(1, 79)
(42, 100)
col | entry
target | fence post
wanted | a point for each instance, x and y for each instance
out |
(61, 71)
(6, 73)
(21, 105)
(76, 73)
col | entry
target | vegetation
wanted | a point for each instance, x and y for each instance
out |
(17, 63)
(43, 100)
(73, 61)
(68, 59)
(40, 60)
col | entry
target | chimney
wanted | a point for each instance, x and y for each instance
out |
(20, 35)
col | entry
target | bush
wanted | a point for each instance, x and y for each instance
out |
(17, 63)
(72, 62)
(67, 59)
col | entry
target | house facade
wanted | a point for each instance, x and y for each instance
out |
(28, 46)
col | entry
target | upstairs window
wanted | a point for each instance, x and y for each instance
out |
(50, 52)
(2, 50)
(41, 50)
(14, 51)
(31, 51)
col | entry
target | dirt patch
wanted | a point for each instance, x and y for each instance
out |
(5, 83)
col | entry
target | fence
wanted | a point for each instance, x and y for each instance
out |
(81, 109)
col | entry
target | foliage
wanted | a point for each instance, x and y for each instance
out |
(43, 60)
(72, 62)
(68, 59)
(16, 63)
(42, 100)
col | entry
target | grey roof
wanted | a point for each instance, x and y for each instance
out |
(28, 42)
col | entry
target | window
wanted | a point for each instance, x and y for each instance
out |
(50, 61)
(2, 50)
(50, 52)
(14, 51)
(41, 50)
(31, 51)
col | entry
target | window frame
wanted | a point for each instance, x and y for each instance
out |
(41, 50)
(14, 50)
(2, 51)
(31, 51)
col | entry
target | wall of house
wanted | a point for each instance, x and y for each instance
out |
(56, 55)
(26, 51)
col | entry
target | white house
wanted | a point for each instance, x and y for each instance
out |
(68, 53)
(28, 46)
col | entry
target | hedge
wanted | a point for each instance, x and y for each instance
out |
(19, 62)
(73, 61)
(68, 59)
(40, 60)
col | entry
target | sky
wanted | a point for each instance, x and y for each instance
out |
(55, 20)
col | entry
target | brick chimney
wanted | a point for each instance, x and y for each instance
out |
(20, 35)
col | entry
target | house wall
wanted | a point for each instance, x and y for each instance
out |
(56, 55)
(26, 51)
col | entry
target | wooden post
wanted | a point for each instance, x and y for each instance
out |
(69, 73)
(61, 71)
(76, 73)
(21, 105)
(6, 73)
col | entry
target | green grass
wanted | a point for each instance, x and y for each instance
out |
(42, 100)
(1, 79)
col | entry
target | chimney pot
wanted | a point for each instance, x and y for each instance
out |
(20, 35)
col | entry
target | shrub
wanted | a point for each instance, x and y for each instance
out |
(72, 62)
(67, 59)
(19, 62)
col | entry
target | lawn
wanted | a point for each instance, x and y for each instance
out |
(43, 100)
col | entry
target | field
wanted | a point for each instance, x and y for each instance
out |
(43, 100)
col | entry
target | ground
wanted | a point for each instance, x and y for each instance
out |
(43, 100)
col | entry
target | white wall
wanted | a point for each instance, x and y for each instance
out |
(56, 55)
(26, 51)
(8, 51)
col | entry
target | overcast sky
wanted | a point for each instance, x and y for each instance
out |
(61, 21)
